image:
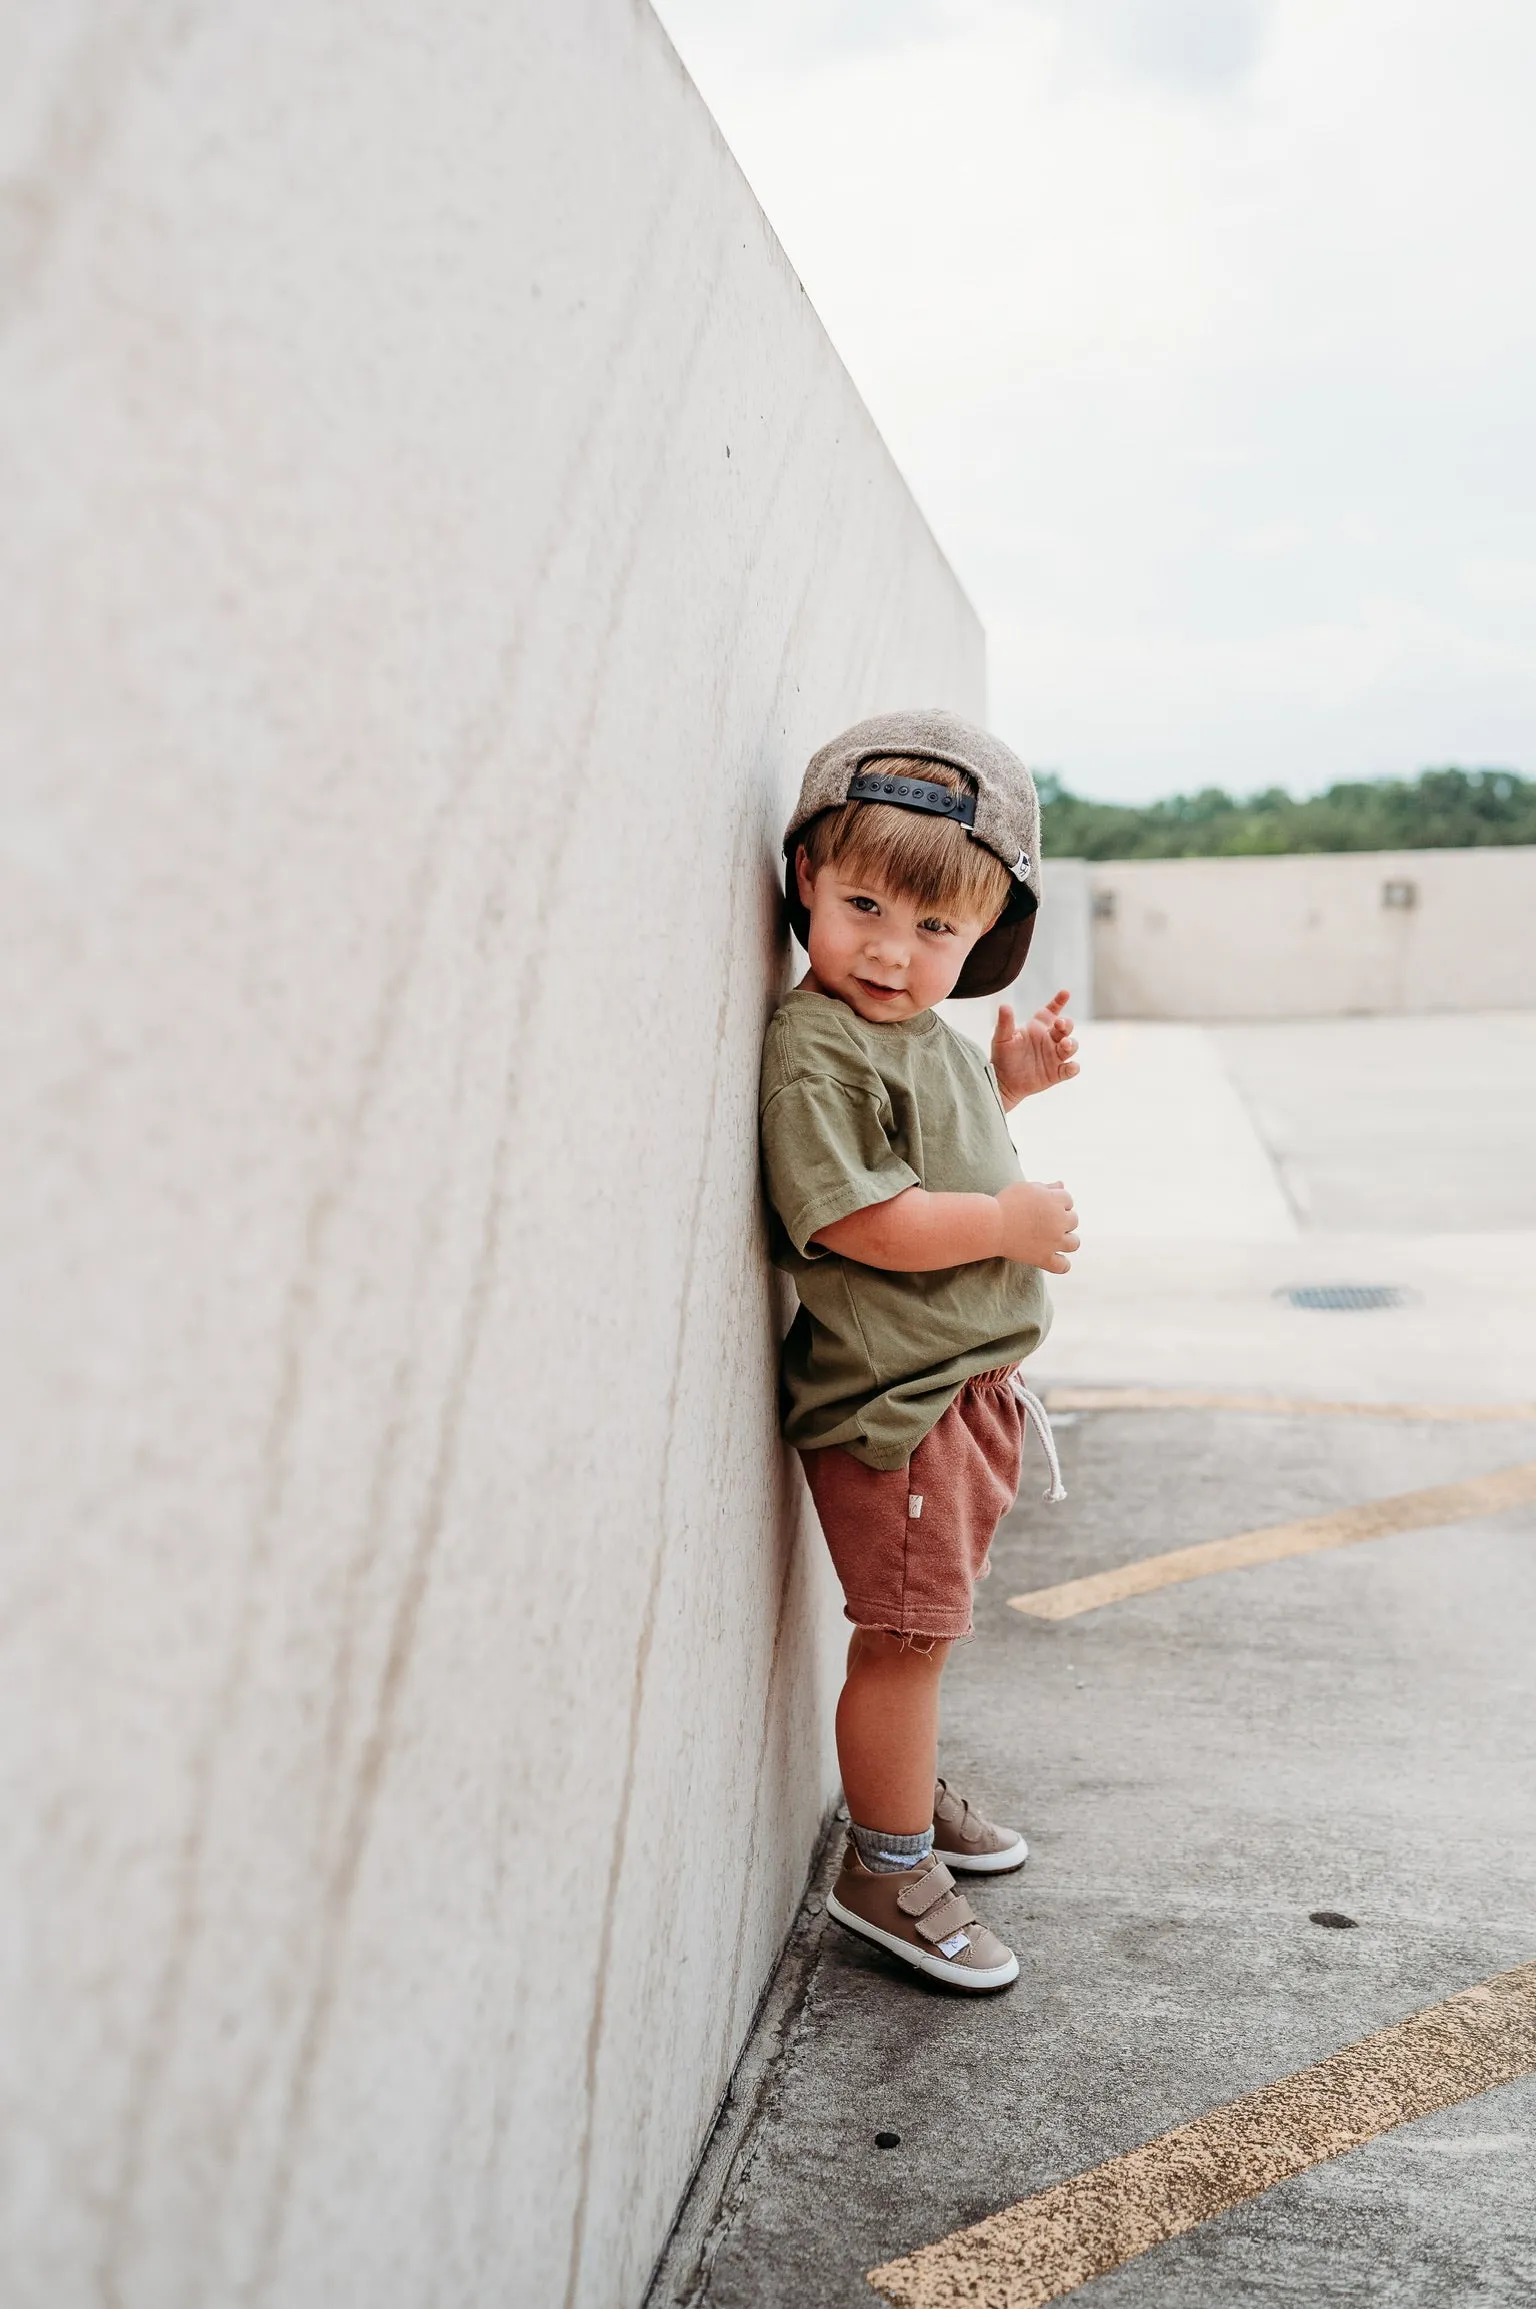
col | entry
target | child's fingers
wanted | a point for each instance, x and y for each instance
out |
(1005, 1024)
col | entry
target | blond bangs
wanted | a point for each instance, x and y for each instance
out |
(909, 853)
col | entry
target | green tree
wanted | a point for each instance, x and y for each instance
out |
(1449, 809)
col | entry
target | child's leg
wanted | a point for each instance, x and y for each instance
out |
(888, 1730)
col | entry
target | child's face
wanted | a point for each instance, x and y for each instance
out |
(886, 956)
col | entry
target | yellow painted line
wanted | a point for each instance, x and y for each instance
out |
(1275, 1406)
(1051, 2243)
(1376, 1519)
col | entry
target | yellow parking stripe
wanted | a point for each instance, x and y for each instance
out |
(1276, 1406)
(1051, 2243)
(1376, 1519)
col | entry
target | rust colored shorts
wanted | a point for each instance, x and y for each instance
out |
(909, 1543)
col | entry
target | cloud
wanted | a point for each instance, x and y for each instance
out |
(1183, 43)
(796, 34)
(1190, 44)
(1206, 336)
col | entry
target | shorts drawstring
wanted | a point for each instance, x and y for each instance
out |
(1035, 1413)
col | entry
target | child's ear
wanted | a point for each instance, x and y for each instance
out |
(805, 880)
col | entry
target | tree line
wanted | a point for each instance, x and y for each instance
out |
(1447, 809)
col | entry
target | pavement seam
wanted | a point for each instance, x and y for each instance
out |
(1279, 1406)
(1049, 2244)
(1441, 1504)
(711, 2201)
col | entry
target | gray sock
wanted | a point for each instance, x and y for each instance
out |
(887, 1855)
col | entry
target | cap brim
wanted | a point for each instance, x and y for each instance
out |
(993, 962)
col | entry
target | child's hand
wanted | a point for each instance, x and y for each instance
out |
(1034, 1056)
(1039, 1225)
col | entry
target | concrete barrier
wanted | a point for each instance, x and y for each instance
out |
(436, 532)
(1315, 937)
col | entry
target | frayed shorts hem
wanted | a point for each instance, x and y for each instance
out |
(876, 1623)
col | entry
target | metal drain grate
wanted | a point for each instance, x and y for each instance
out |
(1345, 1298)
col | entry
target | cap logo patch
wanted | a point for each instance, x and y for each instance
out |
(1020, 868)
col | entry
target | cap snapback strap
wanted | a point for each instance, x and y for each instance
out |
(913, 794)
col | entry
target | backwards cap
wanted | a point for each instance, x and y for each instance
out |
(1003, 815)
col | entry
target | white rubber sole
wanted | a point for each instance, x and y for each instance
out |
(1012, 1855)
(971, 1976)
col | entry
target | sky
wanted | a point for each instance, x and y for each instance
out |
(1205, 334)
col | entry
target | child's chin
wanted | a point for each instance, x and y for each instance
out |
(870, 1006)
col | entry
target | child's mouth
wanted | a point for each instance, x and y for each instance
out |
(882, 993)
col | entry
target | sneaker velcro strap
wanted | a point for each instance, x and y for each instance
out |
(916, 1899)
(948, 1917)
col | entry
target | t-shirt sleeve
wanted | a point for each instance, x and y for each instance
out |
(825, 1154)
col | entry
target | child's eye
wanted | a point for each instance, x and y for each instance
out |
(940, 929)
(865, 905)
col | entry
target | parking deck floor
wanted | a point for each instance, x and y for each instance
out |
(1205, 1768)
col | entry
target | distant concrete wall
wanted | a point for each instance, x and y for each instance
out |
(1315, 937)
(436, 531)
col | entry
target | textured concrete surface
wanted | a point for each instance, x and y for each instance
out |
(1315, 937)
(1202, 1767)
(1432, 1509)
(1396, 1123)
(1215, 1168)
(1051, 2243)
(1213, 1314)
(1156, 1141)
(436, 530)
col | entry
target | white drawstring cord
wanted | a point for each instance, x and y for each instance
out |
(1035, 1412)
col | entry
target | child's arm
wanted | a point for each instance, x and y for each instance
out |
(916, 1231)
(1034, 1056)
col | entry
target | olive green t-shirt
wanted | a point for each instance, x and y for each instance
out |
(853, 1112)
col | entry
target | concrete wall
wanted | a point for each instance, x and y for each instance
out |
(1315, 937)
(436, 531)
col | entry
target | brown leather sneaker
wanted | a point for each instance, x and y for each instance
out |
(962, 1839)
(922, 1918)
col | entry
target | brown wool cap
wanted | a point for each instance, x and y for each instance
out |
(1006, 817)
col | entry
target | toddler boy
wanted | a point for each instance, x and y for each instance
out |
(918, 1252)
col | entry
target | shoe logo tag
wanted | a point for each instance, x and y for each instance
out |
(953, 1945)
(914, 1504)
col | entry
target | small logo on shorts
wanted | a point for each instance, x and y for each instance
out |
(914, 1504)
